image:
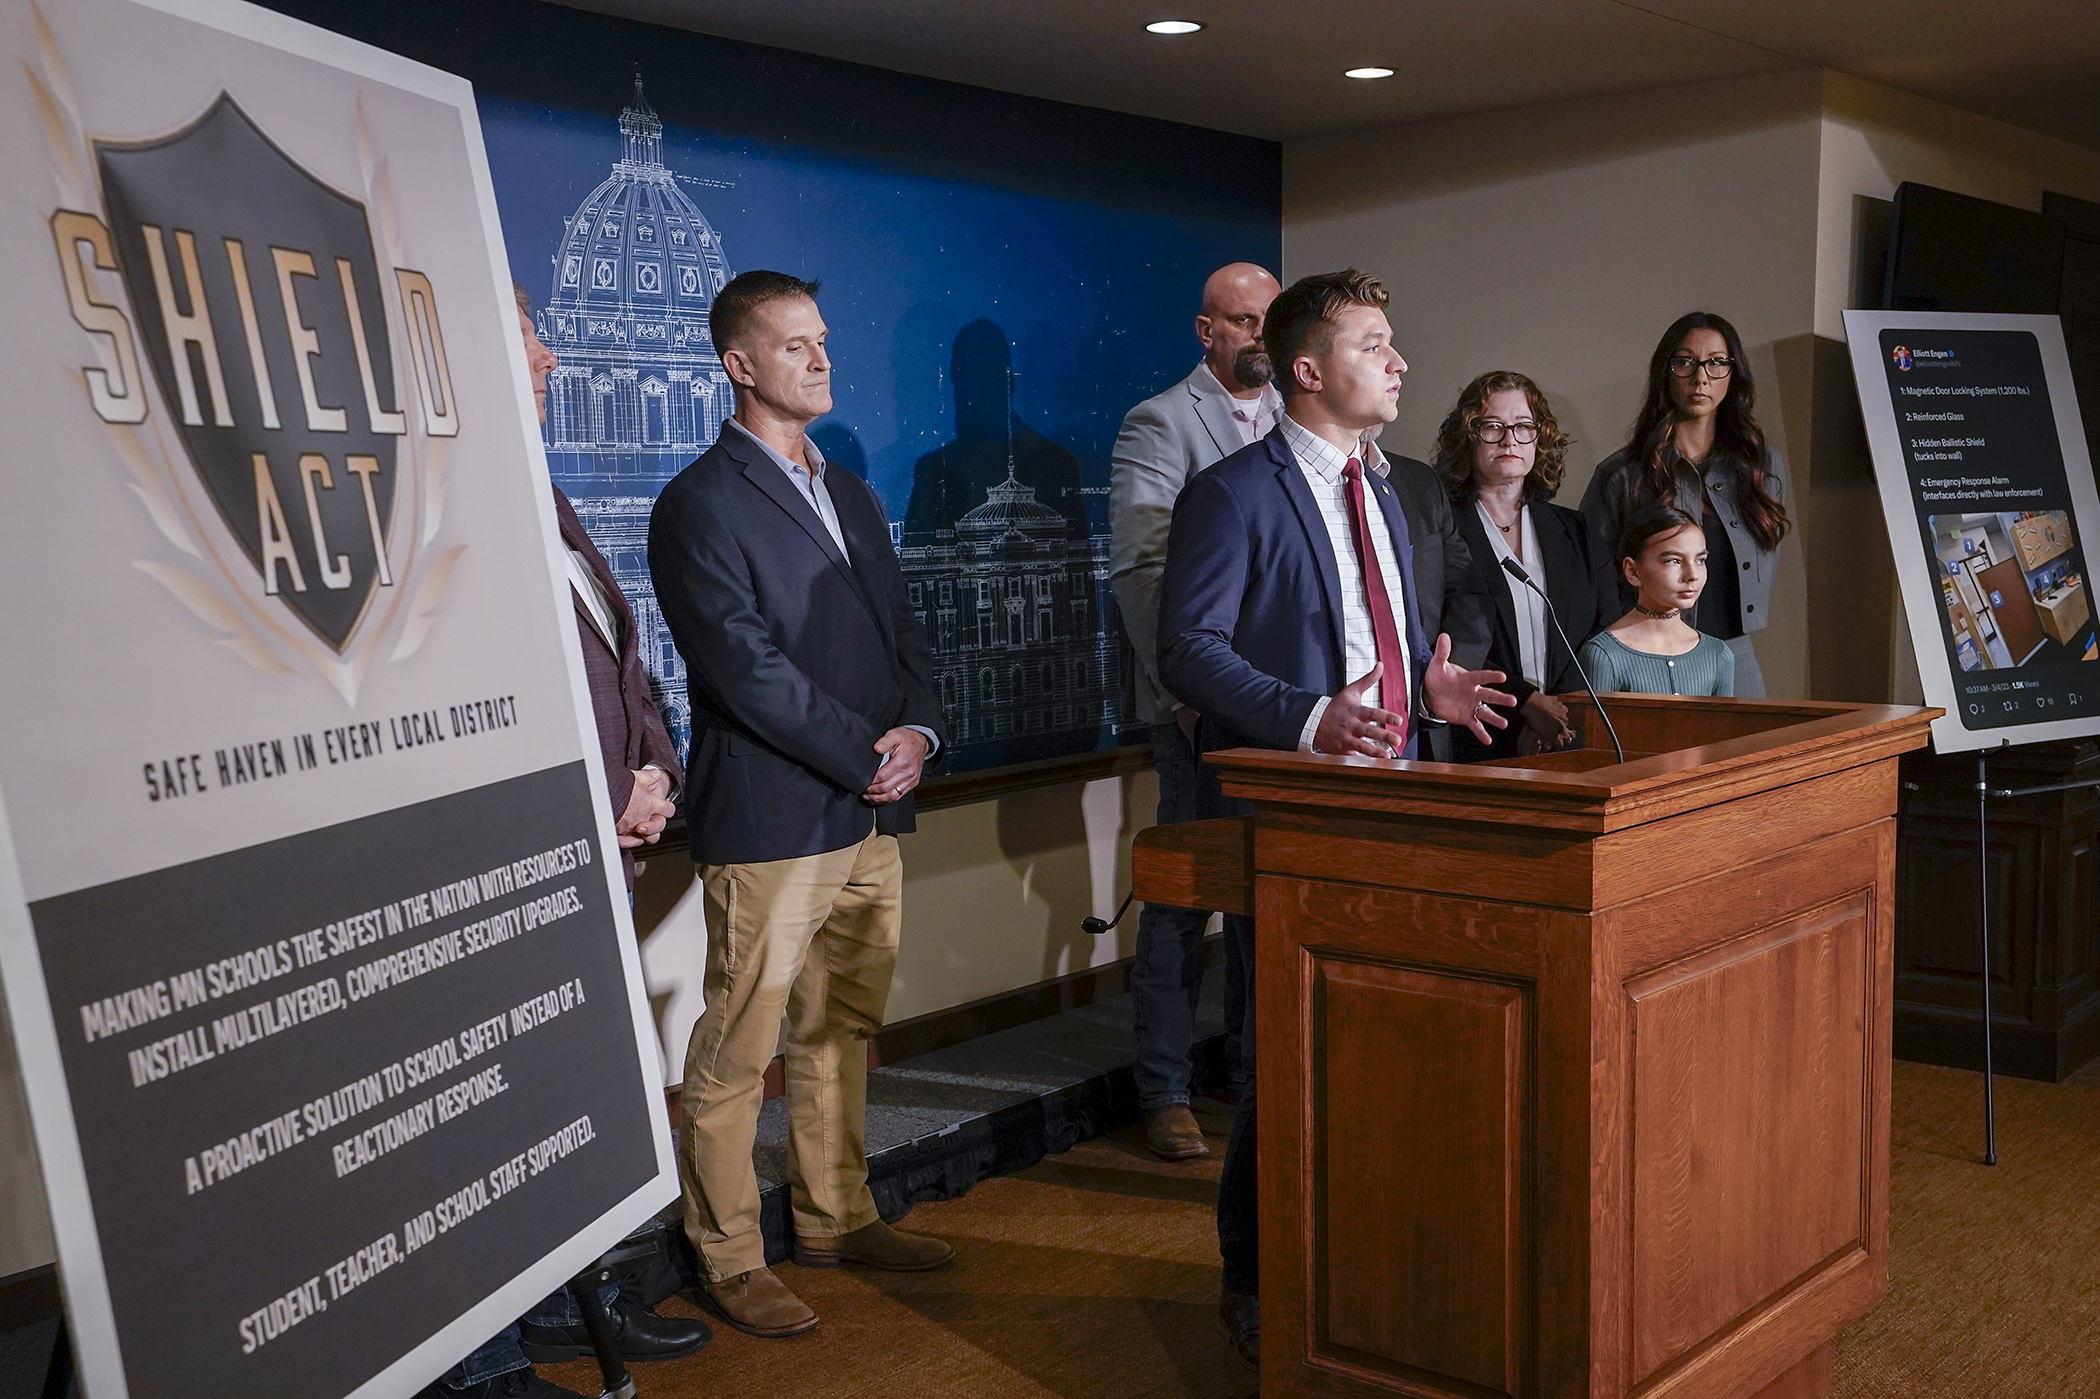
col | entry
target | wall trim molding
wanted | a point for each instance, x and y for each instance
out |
(922, 1034)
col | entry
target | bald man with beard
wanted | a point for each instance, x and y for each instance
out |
(1226, 403)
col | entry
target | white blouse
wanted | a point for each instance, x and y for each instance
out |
(1531, 608)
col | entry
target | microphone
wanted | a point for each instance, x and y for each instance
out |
(1098, 926)
(1516, 571)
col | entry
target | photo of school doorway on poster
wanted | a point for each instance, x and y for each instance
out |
(2013, 587)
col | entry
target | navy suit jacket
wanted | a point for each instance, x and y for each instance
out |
(1250, 618)
(797, 660)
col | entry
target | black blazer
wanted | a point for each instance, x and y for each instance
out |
(1579, 584)
(1250, 611)
(796, 660)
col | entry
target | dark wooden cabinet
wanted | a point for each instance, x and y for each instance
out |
(2045, 927)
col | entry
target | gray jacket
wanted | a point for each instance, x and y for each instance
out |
(1165, 441)
(1609, 502)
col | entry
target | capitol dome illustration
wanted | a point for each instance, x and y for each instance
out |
(1010, 509)
(640, 391)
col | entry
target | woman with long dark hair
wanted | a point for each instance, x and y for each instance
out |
(1696, 446)
(1501, 455)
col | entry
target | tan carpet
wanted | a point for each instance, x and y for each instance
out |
(1091, 1275)
(1095, 1273)
(1994, 1271)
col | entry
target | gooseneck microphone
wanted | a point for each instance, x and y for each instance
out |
(1516, 571)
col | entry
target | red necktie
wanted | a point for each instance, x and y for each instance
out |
(1392, 681)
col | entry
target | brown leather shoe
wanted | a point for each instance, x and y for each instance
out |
(876, 1246)
(1239, 1317)
(1173, 1135)
(757, 1304)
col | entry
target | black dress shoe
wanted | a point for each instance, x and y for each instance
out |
(518, 1384)
(641, 1333)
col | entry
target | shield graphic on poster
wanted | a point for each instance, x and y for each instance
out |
(259, 303)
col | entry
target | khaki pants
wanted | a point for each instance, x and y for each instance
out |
(817, 937)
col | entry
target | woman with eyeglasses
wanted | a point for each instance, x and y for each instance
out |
(1696, 446)
(1501, 455)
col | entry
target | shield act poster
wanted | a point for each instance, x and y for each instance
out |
(312, 930)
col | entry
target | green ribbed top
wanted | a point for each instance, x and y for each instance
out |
(1706, 669)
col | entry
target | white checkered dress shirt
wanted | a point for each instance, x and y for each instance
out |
(1323, 462)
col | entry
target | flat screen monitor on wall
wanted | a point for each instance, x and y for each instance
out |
(1954, 252)
(2078, 298)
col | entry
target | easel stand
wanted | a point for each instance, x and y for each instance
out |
(1984, 793)
(597, 1319)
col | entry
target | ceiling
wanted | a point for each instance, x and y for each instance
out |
(1274, 70)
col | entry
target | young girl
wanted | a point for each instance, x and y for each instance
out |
(1650, 651)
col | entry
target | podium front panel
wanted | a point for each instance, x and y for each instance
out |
(1555, 1112)
(1434, 1292)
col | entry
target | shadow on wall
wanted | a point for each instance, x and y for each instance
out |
(995, 892)
(1031, 834)
(841, 448)
(671, 927)
(990, 439)
(919, 388)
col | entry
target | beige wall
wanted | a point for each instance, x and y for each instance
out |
(1561, 240)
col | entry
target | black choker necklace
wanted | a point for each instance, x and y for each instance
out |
(1661, 616)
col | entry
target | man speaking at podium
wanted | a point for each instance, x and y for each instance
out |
(1299, 595)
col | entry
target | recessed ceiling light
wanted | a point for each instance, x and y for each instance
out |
(1369, 73)
(1172, 26)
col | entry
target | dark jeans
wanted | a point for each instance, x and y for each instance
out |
(1167, 979)
(501, 1353)
(1239, 1220)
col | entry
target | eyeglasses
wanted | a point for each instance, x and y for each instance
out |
(1716, 366)
(1494, 430)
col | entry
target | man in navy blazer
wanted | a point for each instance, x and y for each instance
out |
(814, 715)
(1304, 579)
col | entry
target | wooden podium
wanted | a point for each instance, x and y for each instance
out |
(1573, 1076)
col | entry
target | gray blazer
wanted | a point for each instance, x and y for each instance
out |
(1165, 441)
(1609, 502)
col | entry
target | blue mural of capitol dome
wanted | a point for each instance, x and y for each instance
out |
(640, 391)
(1010, 513)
